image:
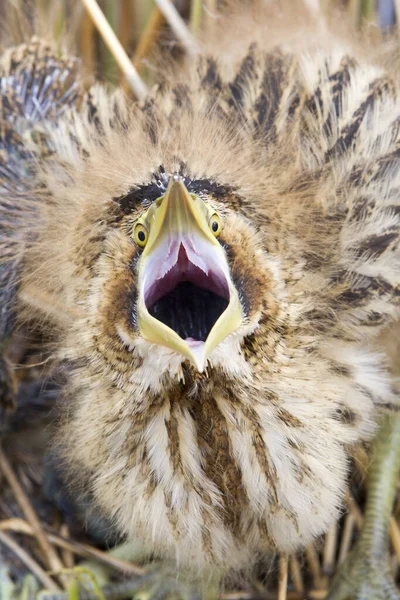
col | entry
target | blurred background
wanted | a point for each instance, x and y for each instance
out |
(141, 26)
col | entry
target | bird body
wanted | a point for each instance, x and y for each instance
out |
(294, 145)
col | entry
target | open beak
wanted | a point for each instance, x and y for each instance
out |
(187, 300)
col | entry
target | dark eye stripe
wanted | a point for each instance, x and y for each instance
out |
(206, 186)
(137, 196)
(151, 191)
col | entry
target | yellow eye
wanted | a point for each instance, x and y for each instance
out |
(141, 235)
(215, 225)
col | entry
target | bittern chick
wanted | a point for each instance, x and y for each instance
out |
(214, 266)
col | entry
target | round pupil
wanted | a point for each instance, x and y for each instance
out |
(141, 236)
(214, 226)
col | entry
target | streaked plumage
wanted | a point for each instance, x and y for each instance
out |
(294, 140)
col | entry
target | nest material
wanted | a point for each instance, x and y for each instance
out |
(41, 531)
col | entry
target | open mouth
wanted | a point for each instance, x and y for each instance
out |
(188, 299)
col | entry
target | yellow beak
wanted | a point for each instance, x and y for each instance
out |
(182, 250)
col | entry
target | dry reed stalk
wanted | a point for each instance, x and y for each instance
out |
(66, 553)
(29, 562)
(295, 572)
(314, 565)
(177, 25)
(86, 41)
(317, 594)
(116, 49)
(148, 37)
(330, 547)
(355, 511)
(77, 548)
(347, 535)
(125, 22)
(196, 9)
(397, 10)
(283, 577)
(51, 558)
(395, 535)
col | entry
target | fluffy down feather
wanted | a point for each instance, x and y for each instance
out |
(296, 144)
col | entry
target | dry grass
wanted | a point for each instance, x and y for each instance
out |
(38, 540)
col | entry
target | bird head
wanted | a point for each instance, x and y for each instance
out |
(169, 235)
(198, 289)
(187, 299)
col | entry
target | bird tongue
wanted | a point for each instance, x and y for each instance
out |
(186, 291)
(185, 269)
(193, 343)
